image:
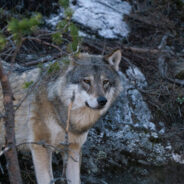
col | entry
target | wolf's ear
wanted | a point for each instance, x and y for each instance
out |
(114, 59)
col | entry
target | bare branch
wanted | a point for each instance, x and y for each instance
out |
(143, 50)
(66, 147)
(44, 42)
(17, 50)
(43, 60)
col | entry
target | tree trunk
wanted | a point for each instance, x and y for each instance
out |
(11, 154)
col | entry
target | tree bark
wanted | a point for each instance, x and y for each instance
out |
(11, 155)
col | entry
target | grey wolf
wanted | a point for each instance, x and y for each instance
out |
(94, 81)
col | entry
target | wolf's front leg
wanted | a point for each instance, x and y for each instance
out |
(42, 159)
(73, 167)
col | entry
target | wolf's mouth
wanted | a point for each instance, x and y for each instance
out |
(95, 108)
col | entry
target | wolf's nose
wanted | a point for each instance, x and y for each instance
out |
(101, 100)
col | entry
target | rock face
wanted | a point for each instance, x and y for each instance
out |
(126, 133)
(104, 18)
(98, 17)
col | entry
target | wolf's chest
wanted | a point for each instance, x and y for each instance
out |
(83, 119)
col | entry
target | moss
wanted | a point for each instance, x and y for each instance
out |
(27, 84)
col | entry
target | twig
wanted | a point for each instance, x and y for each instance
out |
(65, 160)
(4, 150)
(17, 50)
(30, 90)
(44, 60)
(163, 42)
(41, 143)
(162, 65)
(69, 112)
(1, 169)
(44, 42)
(144, 50)
(176, 81)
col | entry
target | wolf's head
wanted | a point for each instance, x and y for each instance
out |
(94, 80)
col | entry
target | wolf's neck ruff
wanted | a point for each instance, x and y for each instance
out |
(79, 117)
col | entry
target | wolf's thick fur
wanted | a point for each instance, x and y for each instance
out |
(94, 82)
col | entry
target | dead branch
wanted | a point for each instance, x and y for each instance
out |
(31, 89)
(17, 50)
(176, 81)
(43, 60)
(151, 21)
(66, 147)
(11, 154)
(163, 42)
(45, 43)
(41, 143)
(143, 50)
(162, 65)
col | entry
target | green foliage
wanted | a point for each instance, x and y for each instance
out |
(62, 26)
(19, 28)
(68, 13)
(72, 47)
(54, 67)
(73, 30)
(180, 100)
(64, 3)
(27, 84)
(57, 38)
(65, 60)
(41, 66)
(2, 42)
(66, 26)
(75, 38)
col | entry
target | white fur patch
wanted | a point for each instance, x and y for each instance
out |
(81, 97)
(54, 128)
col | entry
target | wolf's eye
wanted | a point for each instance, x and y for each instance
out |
(86, 81)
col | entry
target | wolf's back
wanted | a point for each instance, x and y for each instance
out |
(19, 83)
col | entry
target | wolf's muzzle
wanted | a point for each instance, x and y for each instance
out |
(101, 101)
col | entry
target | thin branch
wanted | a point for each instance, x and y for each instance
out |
(43, 60)
(17, 50)
(163, 42)
(30, 90)
(44, 42)
(65, 160)
(176, 81)
(144, 50)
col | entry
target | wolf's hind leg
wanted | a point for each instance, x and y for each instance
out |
(42, 159)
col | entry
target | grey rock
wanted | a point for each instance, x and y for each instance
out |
(97, 17)
(127, 134)
(102, 17)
